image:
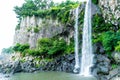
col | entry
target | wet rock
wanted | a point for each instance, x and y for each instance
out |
(28, 66)
(114, 74)
(102, 66)
(98, 48)
(16, 67)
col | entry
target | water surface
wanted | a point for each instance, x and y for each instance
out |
(45, 76)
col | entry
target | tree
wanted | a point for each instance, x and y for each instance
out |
(26, 9)
(44, 4)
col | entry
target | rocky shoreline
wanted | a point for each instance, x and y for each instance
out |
(101, 69)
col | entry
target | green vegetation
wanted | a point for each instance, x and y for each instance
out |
(117, 48)
(20, 47)
(33, 52)
(46, 48)
(99, 24)
(36, 29)
(106, 34)
(95, 1)
(54, 47)
(109, 40)
(46, 9)
(114, 66)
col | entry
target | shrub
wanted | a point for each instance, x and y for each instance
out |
(69, 48)
(114, 66)
(46, 48)
(36, 29)
(20, 47)
(58, 47)
(117, 48)
(110, 41)
(52, 47)
(44, 44)
(95, 1)
(33, 52)
(98, 27)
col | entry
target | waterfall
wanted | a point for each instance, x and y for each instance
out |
(87, 54)
(76, 42)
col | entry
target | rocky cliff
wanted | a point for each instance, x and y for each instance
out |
(111, 11)
(34, 28)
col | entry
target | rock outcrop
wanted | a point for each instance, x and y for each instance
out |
(34, 28)
(116, 57)
(111, 11)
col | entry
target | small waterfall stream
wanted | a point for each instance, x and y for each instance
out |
(87, 54)
(76, 41)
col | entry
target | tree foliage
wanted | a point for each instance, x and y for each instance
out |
(20, 47)
(46, 48)
(110, 41)
(45, 9)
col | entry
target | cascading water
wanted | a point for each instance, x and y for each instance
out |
(76, 41)
(87, 55)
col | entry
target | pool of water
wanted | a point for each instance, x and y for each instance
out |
(45, 76)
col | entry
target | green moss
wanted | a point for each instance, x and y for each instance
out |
(114, 66)
(95, 1)
(36, 29)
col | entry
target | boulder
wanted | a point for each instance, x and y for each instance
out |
(28, 66)
(16, 67)
(101, 65)
(116, 56)
(114, 74)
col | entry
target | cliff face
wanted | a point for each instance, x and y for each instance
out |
(111, 11)
(34, 28)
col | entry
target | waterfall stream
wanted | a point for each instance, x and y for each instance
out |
(87, 54)
(76, 41)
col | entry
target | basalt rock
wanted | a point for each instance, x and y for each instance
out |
(65, 63)
(101, 66)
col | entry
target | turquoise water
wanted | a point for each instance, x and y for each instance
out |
(45, 76)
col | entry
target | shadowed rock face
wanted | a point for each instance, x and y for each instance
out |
(111, 11)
